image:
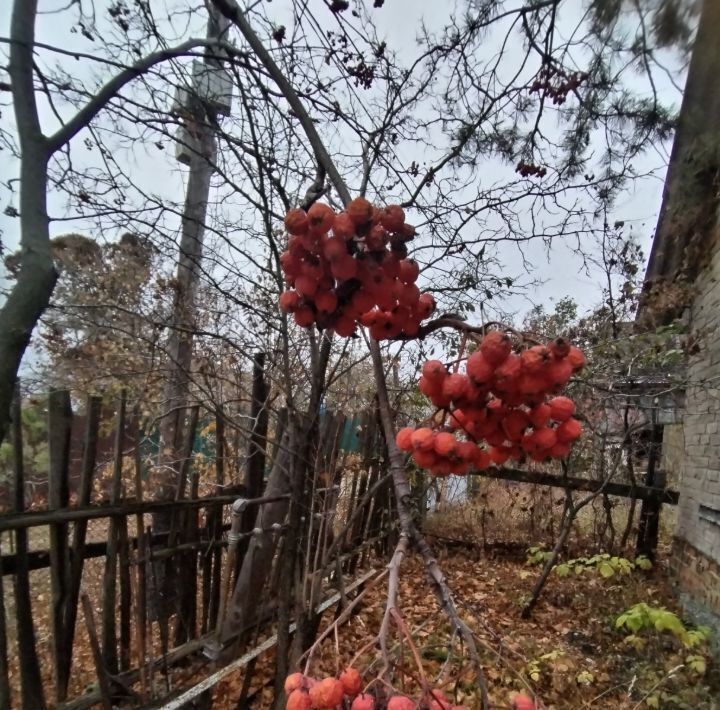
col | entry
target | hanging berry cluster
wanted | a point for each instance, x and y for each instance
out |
(351, 268)
(306, 693)
(505, 406)
(557, 84)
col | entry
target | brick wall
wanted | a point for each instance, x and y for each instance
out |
(697, 548)
(697, 579)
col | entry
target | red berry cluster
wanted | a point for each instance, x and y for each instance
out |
(507, 401)
(351, 267)
(556, 83)
(305, 693)
(530, 169)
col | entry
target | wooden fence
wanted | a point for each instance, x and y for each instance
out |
(91, 566)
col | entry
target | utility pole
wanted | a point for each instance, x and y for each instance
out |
(199, 105)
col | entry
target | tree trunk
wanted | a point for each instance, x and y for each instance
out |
(258, 558)
(36, 280)
(688, 214)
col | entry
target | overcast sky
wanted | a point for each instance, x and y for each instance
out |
(159, 173)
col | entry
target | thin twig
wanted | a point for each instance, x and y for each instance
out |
(345, 614)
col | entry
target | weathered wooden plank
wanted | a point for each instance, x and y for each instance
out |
(141, 567)
(649, 523)
(187, 565)
(30, 678)
(108, 634)
(125, 593)
(16, 521)
(622, 490)
(212, 560)
(77, 552)
(59, 429)
(4, 672)
(103, 680)
(40, 559)
(255, 471)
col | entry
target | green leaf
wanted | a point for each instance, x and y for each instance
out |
(667, 621)
(585, 678)
(652, 701)
(606, 569)
(632, 620)
(696, 637)
(704, 631)
(643, 562)
(697, 664)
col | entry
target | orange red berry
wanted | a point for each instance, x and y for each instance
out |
(360, 211)
(496, 346)
(569, 431)
(523, 702)
(321, 217)
(326, 694)
(393, 218)
(299, 700)
(561, 408)
(576, 358)
(351, 681)
(444, 444)
(423, 439)
(296, 221)
(363, 702)
(295, 681)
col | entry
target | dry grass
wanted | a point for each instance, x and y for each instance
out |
(504, 511)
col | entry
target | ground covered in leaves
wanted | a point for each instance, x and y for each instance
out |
(569, 654)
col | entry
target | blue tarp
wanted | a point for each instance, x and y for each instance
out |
(350, 439)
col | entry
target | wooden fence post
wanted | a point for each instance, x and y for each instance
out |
(103, 680)
(139, 586)
(257, 448)
(59, 429)
(255, 473)
(649, 523)
(30, 678)
(77, 552)
(174, 569)
(108, 635)
(4, 675)
(212, 562)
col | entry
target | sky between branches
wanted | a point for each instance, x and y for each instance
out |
(156, 171)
